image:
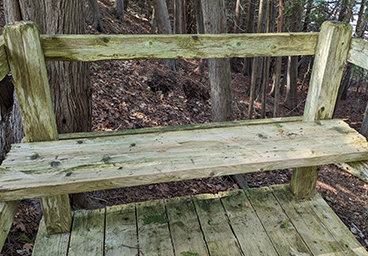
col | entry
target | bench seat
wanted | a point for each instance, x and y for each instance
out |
(166, 154)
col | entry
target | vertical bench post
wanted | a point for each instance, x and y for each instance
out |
(330, 59)
(27, 64)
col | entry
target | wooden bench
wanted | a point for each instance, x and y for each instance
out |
(263, 221)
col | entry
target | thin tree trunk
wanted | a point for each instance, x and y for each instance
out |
(247, 69)
(200, 30)
(120, 8)
(291, 100)
(236, 29)
(219, 69)
(256, 78)
(178, 16)
(93, 15)
(164, 26)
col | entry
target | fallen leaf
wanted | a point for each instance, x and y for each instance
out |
(28, 248)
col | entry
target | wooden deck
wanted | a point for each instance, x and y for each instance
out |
(258, 221)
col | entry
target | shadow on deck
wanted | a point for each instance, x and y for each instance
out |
(258, 221)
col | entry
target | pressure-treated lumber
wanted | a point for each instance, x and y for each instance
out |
(121, 230)
(358, 169)
(154, 234)
(258, 221)
(29, 73)
(56, 244)
(7, 213)
(184, 227)
(331, 55)
(215, 226)
(73, 166)
(4, 66)
(358, 54)
(87, 237)
(128, 47)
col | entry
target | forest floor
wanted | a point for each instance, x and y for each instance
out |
(136, 94)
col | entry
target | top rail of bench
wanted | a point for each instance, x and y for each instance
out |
(127, 47)
(78, 165)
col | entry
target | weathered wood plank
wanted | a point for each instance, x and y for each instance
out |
(329, 62)
(187, 127)
(336, 227)
(113, 47)
(246, 225)
(153, 229)
(121, 231)
(278, 225)
(87, 236)
(215, 226)
(22, 40)
(7, 213)
(185, 230)
(51, 168)
(358, 54)
(45, 245)
(23, 47)
(358, 169)
(309, 226)
(57, 213)
(4, 66)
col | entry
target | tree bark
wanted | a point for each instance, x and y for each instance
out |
(219, 69)
(69, 81)
(291, 100)
(247, 69)
(200, 30)
(257, 69)
(93, 15)
(164, 26)
(119, 7)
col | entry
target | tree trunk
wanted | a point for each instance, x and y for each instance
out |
(219, 69)
(256, 78)
(291, 100)
(200, 30)
(119, 7)
(164, 26)
(236, 29)
(178, 10)
(93, 15)
(247, 69)
(69, 81)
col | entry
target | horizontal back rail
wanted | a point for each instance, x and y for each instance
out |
(128, 47)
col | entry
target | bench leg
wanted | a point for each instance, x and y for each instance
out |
(303, 181)
(7, 213)
(57, 214)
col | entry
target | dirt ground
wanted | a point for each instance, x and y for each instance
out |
(136, 94)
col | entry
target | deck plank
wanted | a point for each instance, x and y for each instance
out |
(45, 245)
(282, 232)
(313, 231)
(153, 229)
(121, 236)
(215, 226)
(336, 227)
(87, 236)
(185, 230)
(32, 170)
(246, 225)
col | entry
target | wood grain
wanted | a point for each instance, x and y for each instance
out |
(72, 166)
(214, 224)
(121, 231)
(128, 47)
(87, 237)
(358, 54)
(4, 66)
(329, 62)
(45, 245)
(7, 213)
